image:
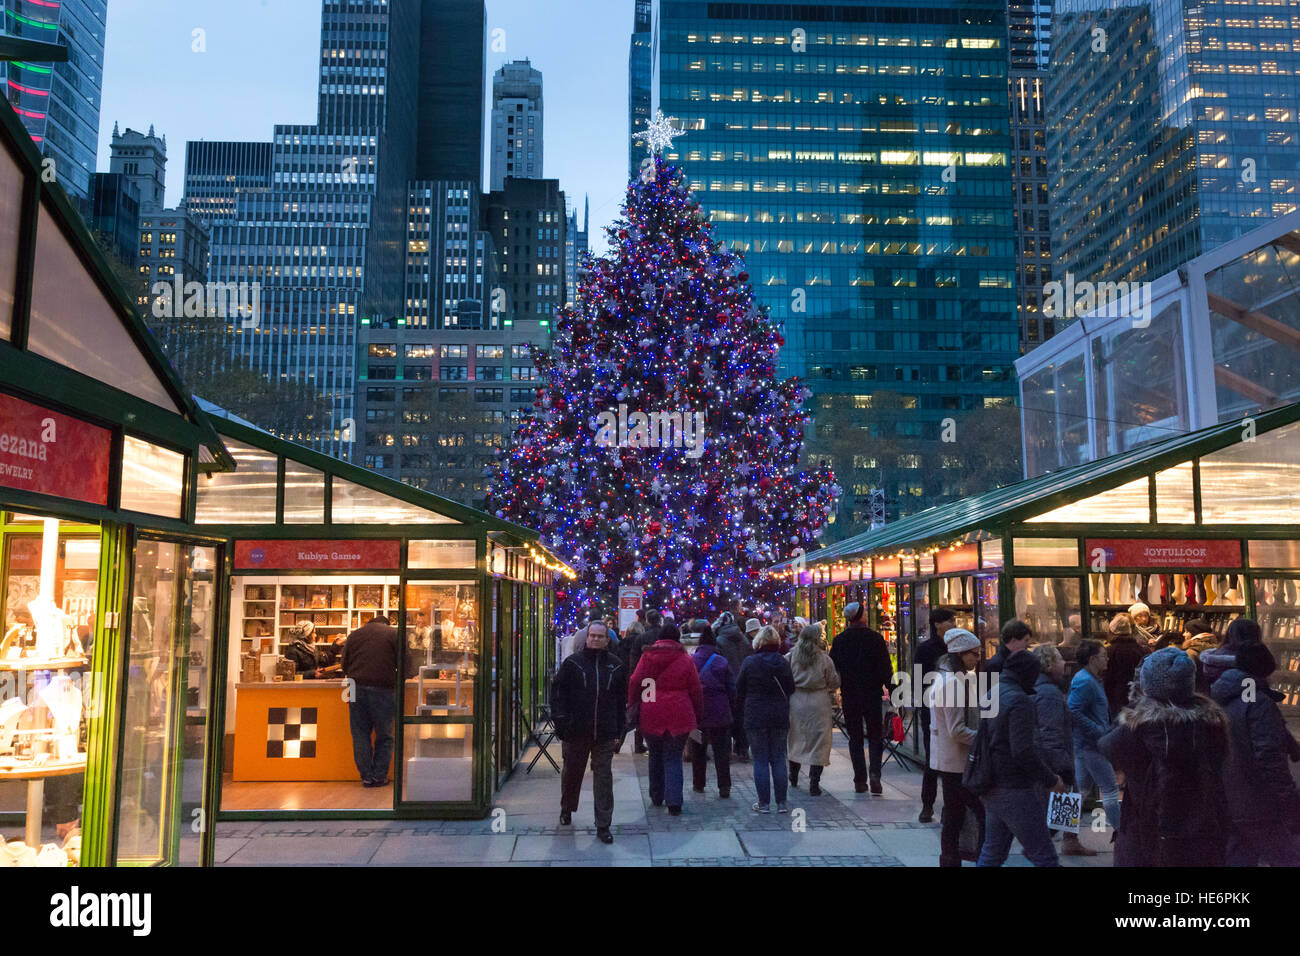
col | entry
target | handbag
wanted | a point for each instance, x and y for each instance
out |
(978, 775)
(971, 838)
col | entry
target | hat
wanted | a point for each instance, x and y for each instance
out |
(725, 619)
(1169, 675)
(958, 640)
(1256, 660)
(1198, 626)
(852, 611)
(1121, 624)
(752, 625)
(1138, 608)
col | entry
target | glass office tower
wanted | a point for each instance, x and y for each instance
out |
(59, 102)
(858, 157)
(1172, 128)
(638, 83)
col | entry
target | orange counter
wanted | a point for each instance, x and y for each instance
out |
(293, 731)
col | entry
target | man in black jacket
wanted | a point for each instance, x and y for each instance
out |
(1014, 806)
(1015, 636)
(926, 658)
(862, 659)
(589, 707)
(654, 624)
(734, 647)
(370, 664)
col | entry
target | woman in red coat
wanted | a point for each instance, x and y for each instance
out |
(665, 693)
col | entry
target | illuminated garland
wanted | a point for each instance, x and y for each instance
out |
(666, 324)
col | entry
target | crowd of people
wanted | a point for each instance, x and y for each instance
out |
(764, 694)
(1178, 734)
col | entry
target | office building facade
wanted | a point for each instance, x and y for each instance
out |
(638, 82)
(453, 70)
(1171, 129)
(59, 102)
(576, 248)
(858, 158)
(517, 116)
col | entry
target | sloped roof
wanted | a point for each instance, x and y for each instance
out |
(995, 510)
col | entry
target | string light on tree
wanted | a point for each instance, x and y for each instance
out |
(665, 325)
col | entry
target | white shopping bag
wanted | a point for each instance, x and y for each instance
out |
(1064, 811)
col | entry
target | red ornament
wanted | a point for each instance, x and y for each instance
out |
(743, 277)
(622, 233)
(765, 483)
(655, 527)
(561, 595)
(780, 341)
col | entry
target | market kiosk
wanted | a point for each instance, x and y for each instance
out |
(317, 549)
(108, 591)
(1205, 524)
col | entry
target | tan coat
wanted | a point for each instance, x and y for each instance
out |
(952, 729)
(809, 738)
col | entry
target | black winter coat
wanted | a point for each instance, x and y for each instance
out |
(1013, 731)
(589, 696)
(862, 659)
(1124, 656)
(1175, 808)
(638, 644)
(763, 690)
(733, 646)
(1256, 778)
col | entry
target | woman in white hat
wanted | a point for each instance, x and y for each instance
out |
(954, 720)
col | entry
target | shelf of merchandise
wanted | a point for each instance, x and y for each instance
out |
(281, 599)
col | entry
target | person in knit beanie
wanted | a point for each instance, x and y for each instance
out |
(1171, 744)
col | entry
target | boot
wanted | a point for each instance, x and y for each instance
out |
(794, 774)
(875, 784)
(814, 781)
(1070, 846)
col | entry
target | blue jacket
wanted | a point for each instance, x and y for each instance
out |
(1089, 709)
(763, 690)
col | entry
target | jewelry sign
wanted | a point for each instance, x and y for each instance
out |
(318, 555)
(49, 453)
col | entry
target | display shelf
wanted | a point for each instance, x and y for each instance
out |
(51, 664)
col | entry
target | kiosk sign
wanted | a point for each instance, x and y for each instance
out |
(629, 602)
(1162, 553)
(318, 555)
(49, 453)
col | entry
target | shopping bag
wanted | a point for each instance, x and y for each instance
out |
(971, 838)
(1064, 811)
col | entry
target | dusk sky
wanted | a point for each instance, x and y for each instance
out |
(260, 68)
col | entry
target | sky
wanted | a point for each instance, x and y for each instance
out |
(259, 68)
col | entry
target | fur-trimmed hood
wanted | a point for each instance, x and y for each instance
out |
(1146, 712)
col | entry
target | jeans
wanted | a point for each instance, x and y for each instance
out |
(957, 802)
(666, 768)
(1273, 843)
(1091, 767)
(1022, 814)
(767, 747)
(719, 738)
(930, 779)
(855, 712)
(372, 711)
(577, 750)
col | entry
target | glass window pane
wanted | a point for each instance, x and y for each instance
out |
(1253, 482)
(195, 635)
(441, 554)
(1275, 554)
(1127, 504)
(11, 197)
(991, 553)
(245, 495)
(75, 325)
(442, 642)
(354, 504)
(439, 762)
(1046, 552)
(1278, 600)
(304, 494)
(1175, 503)
(1140, 390)
(1051, 608)
(153, 478)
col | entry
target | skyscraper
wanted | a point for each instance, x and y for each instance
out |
(638, 82)
(326, 236)
(858, 157)
(516, 123)
(576, 239)
(1029, 29)
(453, 64)
(1171, 128)
(59, 102)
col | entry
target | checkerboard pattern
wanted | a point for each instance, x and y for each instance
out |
(291, 732)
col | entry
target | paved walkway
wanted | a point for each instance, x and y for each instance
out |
(839, 828)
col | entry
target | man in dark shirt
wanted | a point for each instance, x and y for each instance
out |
(370, 663)
(862, 659)
(926, 658)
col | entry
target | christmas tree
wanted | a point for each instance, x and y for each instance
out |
(661, 451)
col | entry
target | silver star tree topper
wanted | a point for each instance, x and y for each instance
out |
(659, 133)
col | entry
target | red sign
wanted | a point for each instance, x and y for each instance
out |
(1163, 553)
(318, 555)
(53, 454)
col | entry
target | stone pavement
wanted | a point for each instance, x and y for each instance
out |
(839, 828)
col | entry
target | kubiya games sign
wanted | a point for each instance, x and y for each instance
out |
(48, 453)
(318, 555)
